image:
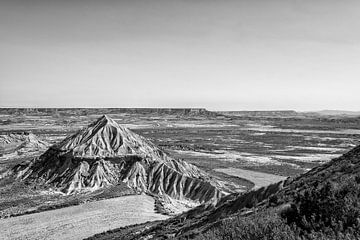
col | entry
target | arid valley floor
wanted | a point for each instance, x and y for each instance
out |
(240, 150)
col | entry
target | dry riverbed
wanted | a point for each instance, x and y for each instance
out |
(79, 222)
(258, 178)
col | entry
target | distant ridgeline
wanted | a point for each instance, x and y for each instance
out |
(291, 114)
(276, 113)
(87, 111)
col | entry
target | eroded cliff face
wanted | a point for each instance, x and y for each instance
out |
(105, 154)
(22, 144)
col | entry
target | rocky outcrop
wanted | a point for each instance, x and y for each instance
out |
(105, 138)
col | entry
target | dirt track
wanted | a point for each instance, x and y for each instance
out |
(81, 221)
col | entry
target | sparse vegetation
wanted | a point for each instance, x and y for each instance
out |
(321, 204)
(330, 211)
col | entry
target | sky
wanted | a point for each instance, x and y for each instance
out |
(216, 54)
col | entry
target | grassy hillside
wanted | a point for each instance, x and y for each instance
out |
(323, 203)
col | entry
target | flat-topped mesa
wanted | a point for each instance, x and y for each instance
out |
(106, 138)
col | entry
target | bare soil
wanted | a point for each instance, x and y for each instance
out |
(258, 178)
(79, 222)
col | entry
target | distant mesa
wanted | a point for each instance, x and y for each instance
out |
(94, 111)
(106, 154)
(265, 114)
(339, 113)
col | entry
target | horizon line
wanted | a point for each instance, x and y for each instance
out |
(204, 108)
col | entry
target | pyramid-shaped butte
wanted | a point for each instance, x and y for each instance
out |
(106, 138)
(105, 154)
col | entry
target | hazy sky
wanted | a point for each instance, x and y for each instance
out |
(229, 55)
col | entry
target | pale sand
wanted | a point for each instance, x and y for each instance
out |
(258, 178)
(79, 222)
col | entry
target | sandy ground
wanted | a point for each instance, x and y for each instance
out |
(230, 156)
(81, 221)
(269, 128)
(258, 178)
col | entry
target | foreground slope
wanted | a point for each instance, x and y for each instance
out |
(320, 204)
(106, 154)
